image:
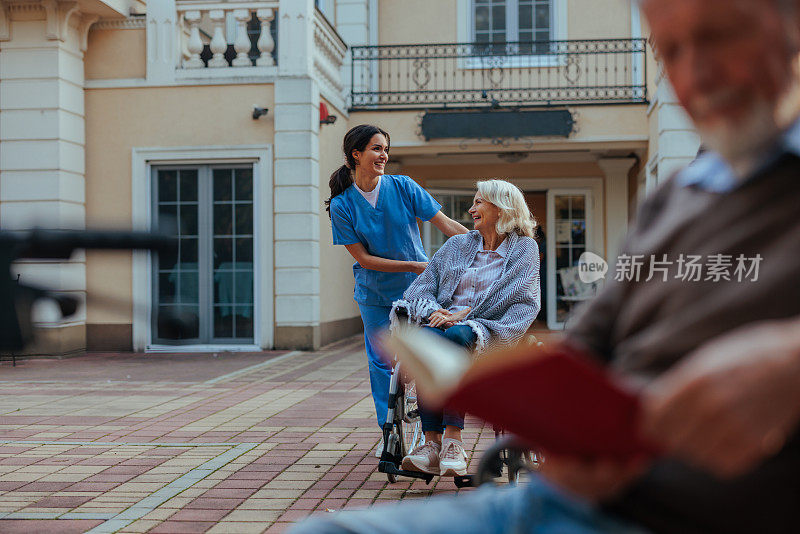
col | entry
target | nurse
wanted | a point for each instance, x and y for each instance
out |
(375, 217)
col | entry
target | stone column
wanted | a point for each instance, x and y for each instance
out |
(297, 277)
(616, 172)
(42, 146)
(162, 50)
(677, 139)
(354, 22)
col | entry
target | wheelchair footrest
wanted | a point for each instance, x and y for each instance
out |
(392, 469)
(466, 481)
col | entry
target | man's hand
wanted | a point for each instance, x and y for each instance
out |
(593, 480)
(733, 402)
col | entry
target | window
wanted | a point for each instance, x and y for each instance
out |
(208, 283)
(501, 21)
(455, 204)
(568, 222)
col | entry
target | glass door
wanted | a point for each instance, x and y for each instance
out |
(232, 276)
(569, 224)
(208, 283)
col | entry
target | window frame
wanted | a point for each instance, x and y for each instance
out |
(550, 253)
(205, 262)
(512, 20)
(261, 157)
(466, 34)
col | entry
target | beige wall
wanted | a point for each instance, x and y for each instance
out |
(116, 54)
(335, 263)
(426, 21)
(417, 21)
(598, 19)
(118, 120)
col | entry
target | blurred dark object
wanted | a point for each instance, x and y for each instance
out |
(17, 300)
(177, 325)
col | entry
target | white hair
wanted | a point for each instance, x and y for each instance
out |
(514, 213)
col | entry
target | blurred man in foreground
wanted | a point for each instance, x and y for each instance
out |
(721, 388)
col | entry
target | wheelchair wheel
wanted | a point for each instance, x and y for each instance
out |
(392, 446)
(396, 442)
(412, 430)
(522, 461)
(515, 464)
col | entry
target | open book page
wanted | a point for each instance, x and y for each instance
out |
(556, 397)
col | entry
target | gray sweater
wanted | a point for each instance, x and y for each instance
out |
(643, 328)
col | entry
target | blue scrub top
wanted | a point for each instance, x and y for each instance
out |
(389, 230)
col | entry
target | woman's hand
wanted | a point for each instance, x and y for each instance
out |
(438, 318)
(460, 315)
(418, 266)
(444, 319)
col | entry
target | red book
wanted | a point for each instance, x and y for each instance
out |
(557, 399)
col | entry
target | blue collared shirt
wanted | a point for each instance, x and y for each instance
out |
(712, 173)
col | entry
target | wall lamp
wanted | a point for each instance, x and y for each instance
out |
(258, 112)
(324, 116)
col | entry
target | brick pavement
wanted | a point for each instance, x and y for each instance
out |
(216, 443)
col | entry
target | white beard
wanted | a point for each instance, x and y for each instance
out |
(743, 142)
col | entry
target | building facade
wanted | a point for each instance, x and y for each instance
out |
(213, 120)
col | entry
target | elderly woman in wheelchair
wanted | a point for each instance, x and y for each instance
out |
(479, 289)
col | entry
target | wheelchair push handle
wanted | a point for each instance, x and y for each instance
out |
(61, 244)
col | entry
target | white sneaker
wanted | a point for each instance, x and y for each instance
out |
(424, 458)
(379, 448)
(453, 458)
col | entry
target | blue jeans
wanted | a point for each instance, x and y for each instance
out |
(376, 321)
(534, 508)
(435, 421)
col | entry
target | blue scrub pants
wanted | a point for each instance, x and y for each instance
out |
(376, 321)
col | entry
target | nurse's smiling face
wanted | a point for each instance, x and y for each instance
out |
(372, 160)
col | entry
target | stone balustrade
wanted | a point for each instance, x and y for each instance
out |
(226, 35)
(329, 53)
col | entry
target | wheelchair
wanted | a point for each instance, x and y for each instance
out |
(402, 433)
(509, 453)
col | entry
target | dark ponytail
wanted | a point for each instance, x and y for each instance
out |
(356, 139)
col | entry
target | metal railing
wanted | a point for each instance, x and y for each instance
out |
(540, 73)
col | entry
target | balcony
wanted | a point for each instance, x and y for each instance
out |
(470, 75)
(238, 40)
(225, 38)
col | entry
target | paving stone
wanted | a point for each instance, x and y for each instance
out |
(182, 527)
(308, 420)
(238, 527)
